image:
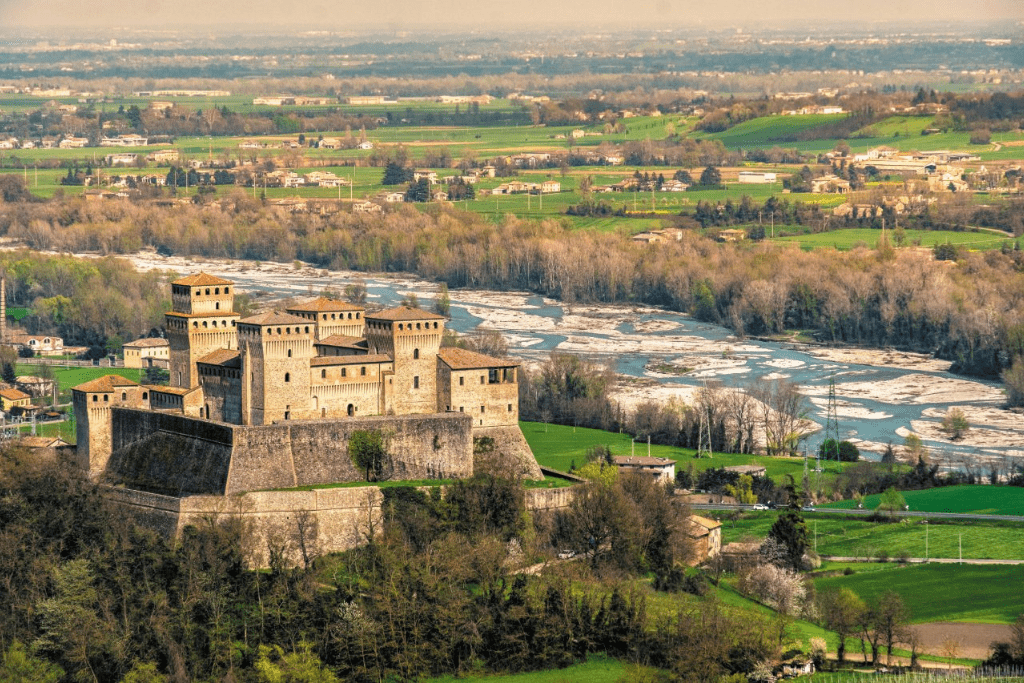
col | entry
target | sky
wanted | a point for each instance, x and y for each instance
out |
(494, 15)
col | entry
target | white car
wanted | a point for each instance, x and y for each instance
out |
(759, 506)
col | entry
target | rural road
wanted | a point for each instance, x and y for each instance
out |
(922, 560)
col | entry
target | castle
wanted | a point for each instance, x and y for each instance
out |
(270, 401)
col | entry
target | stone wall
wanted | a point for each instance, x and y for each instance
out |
(174, 455)
(509, 450)
(328, 520)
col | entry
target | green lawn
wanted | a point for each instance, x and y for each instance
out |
(69, 377)
(858, 537)
(597, 669)
(944, 592)
(978, 499)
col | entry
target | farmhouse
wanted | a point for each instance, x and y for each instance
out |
(706, 535)
(146, 353)
(12, 399)
(662, 469)
(41, 344)
(757, 178)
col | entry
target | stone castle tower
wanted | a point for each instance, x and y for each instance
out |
(412, 338)
(276, 350)
(201, 320)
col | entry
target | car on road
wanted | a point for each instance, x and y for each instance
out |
(759, 506)
(808, 508)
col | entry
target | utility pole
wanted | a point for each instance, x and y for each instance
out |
(832, 419)
(704, 433)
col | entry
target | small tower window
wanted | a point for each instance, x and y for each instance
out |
(323, 374)
(145, 395)
(416, 354)
(462, 381)
(207, 291)
(362, 371)
(287, 377)
(216, 291)
(344, 372)
(106, 398)
(227, 290)
(124, 396)
(95, 398)
(289, 353)
(416, 382)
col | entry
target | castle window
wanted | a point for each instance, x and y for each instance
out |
(216, 291)
(510, 407)
(462, 381)
(217, 305)
(462, 409)
(289, 353)
(106, 398)
(333, 316)
(279, 330)
(417, 326)
(344, 372)
(351, 409)
(227, 290)
(399, 325)
(325, 316)
(287, 377)
(145, 395)
(357, 315)
(323, 374)
(198, 292)
(307, 329)
(349, 316)
(95, 398)
(204, 324)
(287, 414)
(483, 409)
(124, 396)
(416, 354)
(481, 379)
(362, 370)
(416, 382)
(207, 291)
(195, 323)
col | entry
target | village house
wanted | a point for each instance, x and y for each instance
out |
(830, 184)
(121, 159)
(367, 207)
(130, 140)
(146, 353)
(756, 177)
(663, 470)
(162, 155)
(36, 387)
(14, 399)
(706, 537)
(73, 143)
(41, 344)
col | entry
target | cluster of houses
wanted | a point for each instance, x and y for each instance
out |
(73, 142)
(284, 178)
(521, 187)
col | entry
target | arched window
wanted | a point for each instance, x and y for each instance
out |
(416, 354)
(124, 396)
(287, 377)
(216, 291)
(207, 291)
(323, 374)
(217, 305)
(145, 395)
(351, 410)
(289, 353)
(95, 398)
(227, 290)
(106, 398)
(344, 372)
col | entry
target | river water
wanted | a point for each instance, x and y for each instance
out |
(881, 396)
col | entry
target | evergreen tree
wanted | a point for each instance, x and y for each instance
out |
(790, 530)
(396, 174)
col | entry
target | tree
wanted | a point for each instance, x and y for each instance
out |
(396, 174)
(742, 490)
(300, 666)
(784, 411)
(368, 451)
(790, 530)
(892, 501)
(442, 302)
(840, 611)
(955, 424)
(21, 666)
(418, 191)
(778, 587)
(1013, 381)
(845, 450)
(891, 619)
(710, 177)
(8, 373)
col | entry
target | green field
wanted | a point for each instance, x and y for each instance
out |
(849, 238)
(597, 669)
(860, 538)
(559, 446)
(977, 499)
(936, 592)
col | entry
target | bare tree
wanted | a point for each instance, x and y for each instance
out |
(783, 411)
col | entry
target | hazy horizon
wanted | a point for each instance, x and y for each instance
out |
(490, 16)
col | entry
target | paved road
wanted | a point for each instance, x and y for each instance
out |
(866, 513)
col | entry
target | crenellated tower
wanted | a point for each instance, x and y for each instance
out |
(202, 320)
(276, 350)
(412, 337)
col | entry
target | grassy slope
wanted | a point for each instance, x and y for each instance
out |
(597, 669)
(935, 592)
(979, 499)
(857, 537)
(849, 238)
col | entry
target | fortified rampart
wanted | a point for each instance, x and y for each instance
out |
(175, 455)
(327, 520)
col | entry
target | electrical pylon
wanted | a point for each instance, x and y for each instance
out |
(832, 421)
(704, 431)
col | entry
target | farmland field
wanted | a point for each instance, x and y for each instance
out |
(978, 499)
(857, 537)
(850, 238)
(597, 669)
(972, 593)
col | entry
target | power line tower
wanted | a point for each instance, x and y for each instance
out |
(704, 432)
(832, 422)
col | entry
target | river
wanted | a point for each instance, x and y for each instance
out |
(881, 396)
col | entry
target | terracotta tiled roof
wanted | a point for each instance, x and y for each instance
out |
(201, 280)
(343, 341)
(210, 314)
(641, 461)
(322, 303)
(147, 342)
(357, 359)
(224, 357)
(704, 522)
(462, 359)
(273, 318)
(404, 313)
(14, 394)
(175, 391)
(105, 383)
